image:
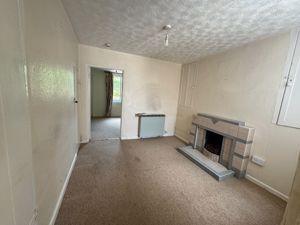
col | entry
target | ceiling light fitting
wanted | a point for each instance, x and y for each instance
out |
(108, 45)
(167, 28)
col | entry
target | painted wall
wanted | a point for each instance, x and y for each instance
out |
(52, 55)
(116, 109)
(98, 95)
(149, 85)
(17, 195)
(243, 84)
(98, 92)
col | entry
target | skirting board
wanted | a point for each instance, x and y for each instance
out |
(130, 138)
(168, 135)
(33, 219)
(182, 139)
(136, 137)
(84, 141)
(267, 187)
(62, 193)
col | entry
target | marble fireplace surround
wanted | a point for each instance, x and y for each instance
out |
(237, 140)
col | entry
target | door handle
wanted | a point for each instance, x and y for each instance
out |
(289, 83)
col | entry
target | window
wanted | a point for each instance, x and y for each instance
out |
(117, 85)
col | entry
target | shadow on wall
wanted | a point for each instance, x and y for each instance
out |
(153, 99)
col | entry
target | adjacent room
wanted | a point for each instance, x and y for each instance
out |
(137, 112)
(106, 104)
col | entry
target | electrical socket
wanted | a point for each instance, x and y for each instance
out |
(258, 160)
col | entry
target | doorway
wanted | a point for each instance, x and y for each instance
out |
(106, 103)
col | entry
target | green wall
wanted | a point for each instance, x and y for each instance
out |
(98, 95)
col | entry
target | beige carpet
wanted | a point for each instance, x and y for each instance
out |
(147, 182)
(105, 128)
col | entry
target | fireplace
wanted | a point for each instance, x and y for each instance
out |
(227, 142)
(212, 145)
(213, 142)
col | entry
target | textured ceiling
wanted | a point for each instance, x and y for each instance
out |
(200, 27)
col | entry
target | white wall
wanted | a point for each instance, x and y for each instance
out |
(149, 85)
(38, 139)
(17, 196)
(243, 84)
(52, 55)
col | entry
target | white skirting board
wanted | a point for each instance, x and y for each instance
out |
(130, 138)
(181, 138)
(33, 219)
(62, 193)
(168, 135)
(267, 187)
(84, 141)
(136, 137)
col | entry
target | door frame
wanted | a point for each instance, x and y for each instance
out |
(89, 97)
(76, 108)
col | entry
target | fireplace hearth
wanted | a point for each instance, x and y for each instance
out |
(219, 145)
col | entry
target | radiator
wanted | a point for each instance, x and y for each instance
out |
(151, 125)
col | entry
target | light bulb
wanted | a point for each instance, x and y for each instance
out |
(167, 40)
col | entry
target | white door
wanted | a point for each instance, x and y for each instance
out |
(290, 108)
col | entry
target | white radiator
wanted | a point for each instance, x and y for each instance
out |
(151, 125)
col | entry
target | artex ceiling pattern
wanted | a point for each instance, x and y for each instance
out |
(200, 28)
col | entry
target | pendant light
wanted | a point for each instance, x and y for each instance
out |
(167, 28)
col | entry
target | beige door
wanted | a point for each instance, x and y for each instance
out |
(292, 211)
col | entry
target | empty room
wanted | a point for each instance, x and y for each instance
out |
(138, 112)
(106, 103)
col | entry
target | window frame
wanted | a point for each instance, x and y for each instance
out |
(121, 87)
